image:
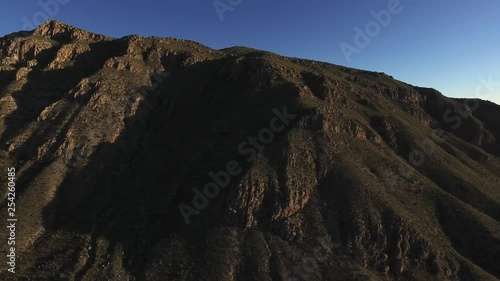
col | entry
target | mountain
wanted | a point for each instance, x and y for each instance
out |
(163, 159)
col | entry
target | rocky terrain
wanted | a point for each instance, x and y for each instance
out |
(310, 171)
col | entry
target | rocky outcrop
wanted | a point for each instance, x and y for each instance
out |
(22, 49)
(65, 33)
(67, 54)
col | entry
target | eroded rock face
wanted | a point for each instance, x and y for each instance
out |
(68, 53)
(23, 49)
(107, 147)
(65, 33)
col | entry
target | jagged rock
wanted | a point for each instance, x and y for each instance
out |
(22, 73)
(23, 49)
(32, 63)
(68, 53)
(65, 33)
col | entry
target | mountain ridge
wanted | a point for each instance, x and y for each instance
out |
(374, 179)
(56, 27)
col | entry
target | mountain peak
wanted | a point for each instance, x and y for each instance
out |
(52, 23)
(64, 32)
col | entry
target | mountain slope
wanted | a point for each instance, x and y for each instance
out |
(311, 171)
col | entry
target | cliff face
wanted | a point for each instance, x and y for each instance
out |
(162, 159)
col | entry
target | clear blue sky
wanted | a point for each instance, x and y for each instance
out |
(442, 44)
